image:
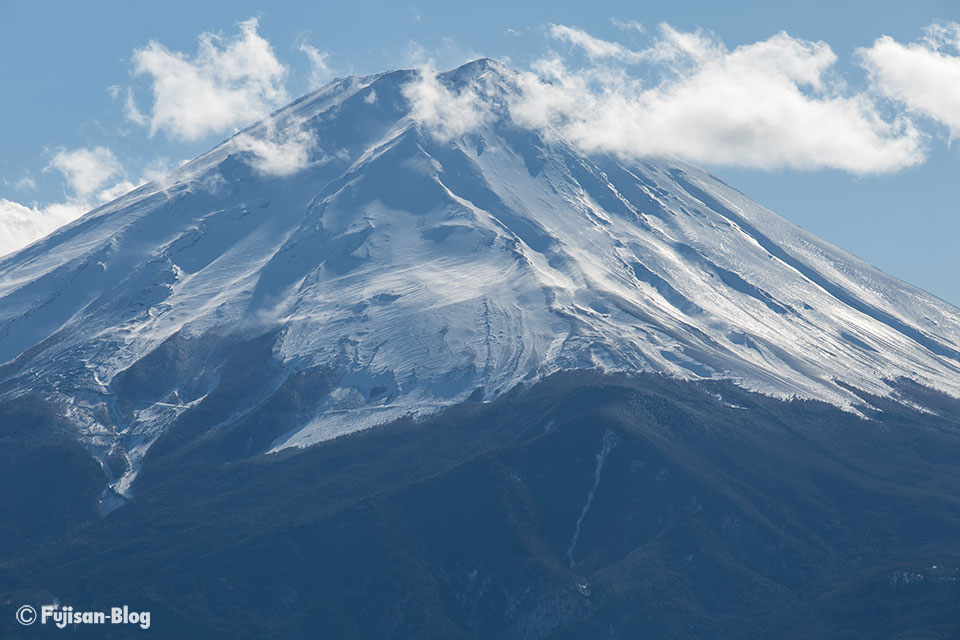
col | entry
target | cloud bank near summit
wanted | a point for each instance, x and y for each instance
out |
(773, 104)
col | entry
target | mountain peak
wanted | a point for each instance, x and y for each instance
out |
(477, 65)
(403, 270)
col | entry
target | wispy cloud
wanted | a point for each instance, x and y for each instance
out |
(277, 152)
(444, 113)
(115, 191)
(768, 104)
(320, 72)
(595, 48)
(86, 170)
(924, 75)
(22, 224)
(627, 25)
(159, 169)
(228, 83)
(26, 183)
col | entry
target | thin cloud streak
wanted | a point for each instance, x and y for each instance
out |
(320, 72)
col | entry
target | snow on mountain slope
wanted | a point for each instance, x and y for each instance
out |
(418, 272)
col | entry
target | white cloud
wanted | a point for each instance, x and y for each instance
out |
(595, 48)
(93, 177)
(320, 73)
(158, 169)
(130, 110)
(230, 82)
(86, 170)
(115, 191)
(679, 48)
(925, 76)
(769, 104)
(21, 224)
(627, 25)
(277, 153)
(26, 183)
(444, 113)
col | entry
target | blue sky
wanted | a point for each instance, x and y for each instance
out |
(68, 68)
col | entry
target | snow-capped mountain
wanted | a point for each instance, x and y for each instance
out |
(401, 272)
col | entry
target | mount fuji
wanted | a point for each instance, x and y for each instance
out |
(376, 367)
(401, 272)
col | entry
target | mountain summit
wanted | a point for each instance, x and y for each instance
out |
(370, 252)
